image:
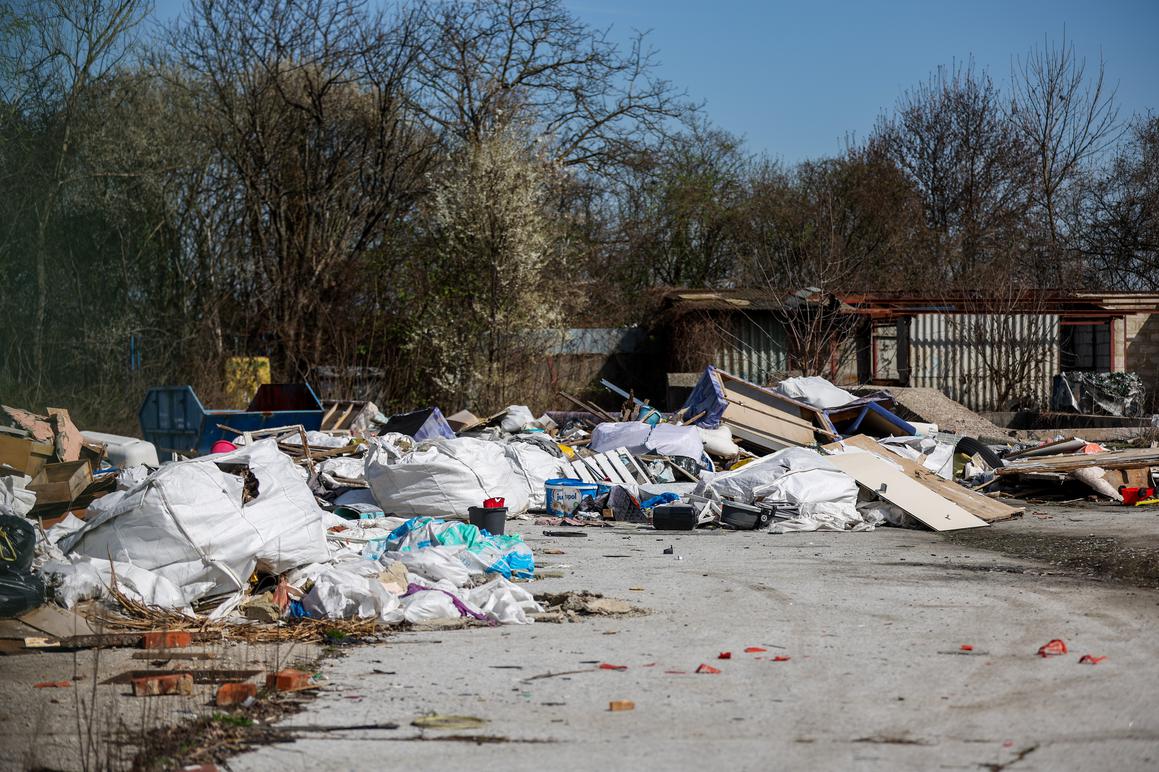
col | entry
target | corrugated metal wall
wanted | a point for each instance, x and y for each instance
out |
(971, 357)
(754, 348)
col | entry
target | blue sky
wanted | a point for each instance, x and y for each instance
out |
(794, 78)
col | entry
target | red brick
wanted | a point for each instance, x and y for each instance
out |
(153, 686)
(167, 639)
(235, 693)
(289, 680)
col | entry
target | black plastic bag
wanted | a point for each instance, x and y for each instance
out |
(17, 544)
(19, 593)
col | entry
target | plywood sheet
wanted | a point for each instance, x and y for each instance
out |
(899, 489)
(976, 503)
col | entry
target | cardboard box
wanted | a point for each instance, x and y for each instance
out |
(61, 483)
(25, 455)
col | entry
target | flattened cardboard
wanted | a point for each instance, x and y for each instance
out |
(893, 485)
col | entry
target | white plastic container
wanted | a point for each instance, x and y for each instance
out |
(125, 451)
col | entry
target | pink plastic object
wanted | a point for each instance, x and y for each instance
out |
(223, 446)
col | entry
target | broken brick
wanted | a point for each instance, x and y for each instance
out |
(157, 685)
(289, 680)
(53, 684)
(724, 655)
(167, 639)
(1052, 649)
(707, 670)
(235, 693)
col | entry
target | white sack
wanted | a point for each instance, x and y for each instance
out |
(518, 416)
(816, 391)
(631, 435)
(15, 499)
(443, 478)
(718, 441)
(187, 524)
(342, 594)
(427, 606)
(641, 439)
(534, 467)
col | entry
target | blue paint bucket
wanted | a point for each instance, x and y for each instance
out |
(564, 495)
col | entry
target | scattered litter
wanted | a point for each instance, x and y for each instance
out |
(436, 721)
(618, 705)
(754, 649)
(724, 655)
(1090, 659)
(707, 670)
(1053, 648)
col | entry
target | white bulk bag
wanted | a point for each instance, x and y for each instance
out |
(187, 523)
(534, 466)
(443, 478)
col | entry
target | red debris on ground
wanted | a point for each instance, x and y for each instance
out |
(1090, 659)
(754, 649)
(707, 670)
(780, 658)
(724, 655)
(607, 666)
(966, 647)
(1054, 648)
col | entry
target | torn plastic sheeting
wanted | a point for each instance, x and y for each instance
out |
(90, 578)
(505, 554)
(707, 398)
(15, 498)
(186, 523)
(507, 603)
(434, 563)
(816, 391)
(936, 456)
(343, 594)
(825, 497)
(443, 478)
(641, 439)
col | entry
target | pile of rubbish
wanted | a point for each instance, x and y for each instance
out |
(354, 515)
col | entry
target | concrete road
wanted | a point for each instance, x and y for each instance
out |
(872, 625)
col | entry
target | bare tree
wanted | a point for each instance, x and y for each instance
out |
(319, 153)
(53, 52)
(1121, 239)
(682, 208)
(1066, 117)
(951, 137)
(495, 62)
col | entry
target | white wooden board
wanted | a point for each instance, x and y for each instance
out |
(899, 489)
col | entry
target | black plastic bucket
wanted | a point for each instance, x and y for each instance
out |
(490, 519)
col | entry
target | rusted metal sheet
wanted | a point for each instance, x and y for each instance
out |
(753, 346)
(986, 361)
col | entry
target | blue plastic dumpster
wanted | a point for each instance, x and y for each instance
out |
(174, 420)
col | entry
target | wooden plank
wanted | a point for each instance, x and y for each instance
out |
(811, 415)
(627, 474)
(1137, 458)
(606, 467)
(761, 424)
(582, 471)
(893, 485)
(981, 505)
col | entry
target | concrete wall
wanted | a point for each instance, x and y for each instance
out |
(1142, 355)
